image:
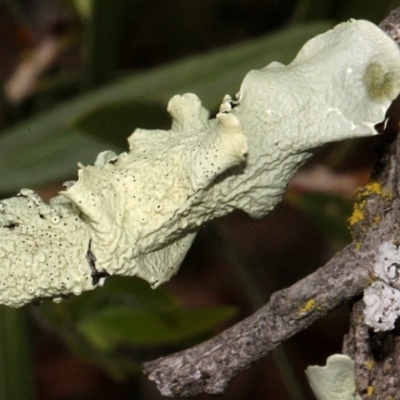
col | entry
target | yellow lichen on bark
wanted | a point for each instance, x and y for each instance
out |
(371, 188)
(369, 365)
(307, 307)
(358, 213)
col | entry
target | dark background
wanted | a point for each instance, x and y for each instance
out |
(235, 261)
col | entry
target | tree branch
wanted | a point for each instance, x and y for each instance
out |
(377, 354)
(210, 366)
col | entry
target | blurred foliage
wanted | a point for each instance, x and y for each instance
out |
(78, 112)
(15, 355)
(329, 214)
(113, 326)
(60, 136)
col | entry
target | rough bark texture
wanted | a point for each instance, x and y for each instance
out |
(210, 366)
(377, 355)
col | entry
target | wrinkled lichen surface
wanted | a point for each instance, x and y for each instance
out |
(137, 213)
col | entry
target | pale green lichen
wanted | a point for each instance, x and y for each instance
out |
(41, 251)
(137, 213)
(335, 381)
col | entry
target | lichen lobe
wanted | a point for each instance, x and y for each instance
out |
(140, 204)
(41, 254)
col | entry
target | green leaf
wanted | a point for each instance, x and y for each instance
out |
(135, 292)
(116, 326)
(113, 122)
(104, 31)
(16, 355)
(119, 364)
(131, 292)
(126, 312)
(47, 147)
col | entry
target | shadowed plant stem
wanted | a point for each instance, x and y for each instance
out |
(104, 33)
(16, 370)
